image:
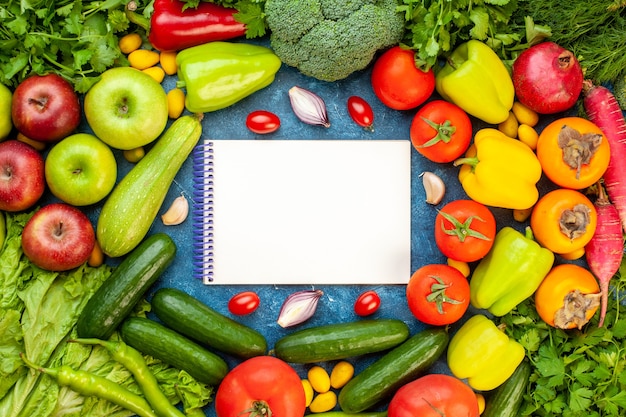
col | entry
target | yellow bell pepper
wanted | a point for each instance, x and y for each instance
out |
(483, 354)
(475, 79)
(500, 171)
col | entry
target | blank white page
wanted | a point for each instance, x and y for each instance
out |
(303, 211)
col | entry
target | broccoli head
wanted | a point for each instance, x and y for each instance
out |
(331, 39)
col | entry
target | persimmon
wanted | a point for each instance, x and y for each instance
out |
(568, 297)
(563, 220)
(573, 152)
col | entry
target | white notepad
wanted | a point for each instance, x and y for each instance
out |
(302, 211)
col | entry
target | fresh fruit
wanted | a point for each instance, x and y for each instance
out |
(80, 169)
(45, 108)
(126, 108)
(22, 180)
(245, 302)
(6, 124)
(367, 303)
(547, 78)
(58, 237)
(134, 203)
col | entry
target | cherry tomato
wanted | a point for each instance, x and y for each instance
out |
(398, 83)
(438, 294)
(243, 303)
(361, 112)
(465, 230)
(262, 386)
(567, 166)
(441, 131)
(367, 303)
(262, 122)
(434, 395)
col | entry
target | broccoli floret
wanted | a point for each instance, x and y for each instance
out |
(331, 39)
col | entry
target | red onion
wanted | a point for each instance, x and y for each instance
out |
(308, 106)
(298, 307)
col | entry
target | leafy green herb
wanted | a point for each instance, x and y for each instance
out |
(436, 27)
(75, 39)
(576, 373)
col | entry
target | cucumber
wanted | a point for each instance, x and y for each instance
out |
(129, 281)
(158, 341)
(341, 340)
(194, 319)
(134, 203)
(396, 368)
(506, 400)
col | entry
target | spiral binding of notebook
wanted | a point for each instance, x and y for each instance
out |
(203, 218)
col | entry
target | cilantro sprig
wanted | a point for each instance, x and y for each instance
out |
(575, 373)
(78, 40)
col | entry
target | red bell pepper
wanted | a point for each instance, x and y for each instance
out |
(172, 28)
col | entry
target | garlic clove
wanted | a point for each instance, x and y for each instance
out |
(177, 213)
(298, 307)
(434, 186)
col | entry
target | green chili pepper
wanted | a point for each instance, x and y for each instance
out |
(134, 361)
(219, 74)
(91, 385)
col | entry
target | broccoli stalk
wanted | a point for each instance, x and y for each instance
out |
(331, 39)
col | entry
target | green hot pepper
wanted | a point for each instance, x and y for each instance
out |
(510, 273)
(219, 74)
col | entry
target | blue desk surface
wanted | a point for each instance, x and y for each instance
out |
(336, 305)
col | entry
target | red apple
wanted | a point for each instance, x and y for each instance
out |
(547, 78)
(58, 237)
(45, 108)
(22, 178)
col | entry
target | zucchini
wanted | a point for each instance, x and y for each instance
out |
(340, 340)
(134, 203)
(129, 281)
(194, 319)
(167, 345)
(396, 368)
(506, 400)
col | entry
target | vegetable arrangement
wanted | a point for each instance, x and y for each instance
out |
(503, 295)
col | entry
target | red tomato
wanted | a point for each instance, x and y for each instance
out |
(367, 303)
(361, 112)
(441, 131)
(438, 294)
(434, 395)
(262, 386)
(398, 83)
(262, 122)
(244, 303)
(464, 230)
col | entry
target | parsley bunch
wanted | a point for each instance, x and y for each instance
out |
(575, 373)
(75, 39)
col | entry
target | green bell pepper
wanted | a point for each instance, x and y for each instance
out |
(511, 272)
(219, 74)
(475, 79)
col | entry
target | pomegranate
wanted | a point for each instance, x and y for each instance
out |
(547, 78)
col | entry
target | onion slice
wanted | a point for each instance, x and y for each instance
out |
(298, 307)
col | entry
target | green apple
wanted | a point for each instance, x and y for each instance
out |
(6, 124)
(127, 108)
(81, 169)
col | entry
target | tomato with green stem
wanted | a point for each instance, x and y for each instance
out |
(438, 294)
(465, 230)
(262, 386)
(441, 131)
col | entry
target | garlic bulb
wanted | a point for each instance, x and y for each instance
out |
(177, 213)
